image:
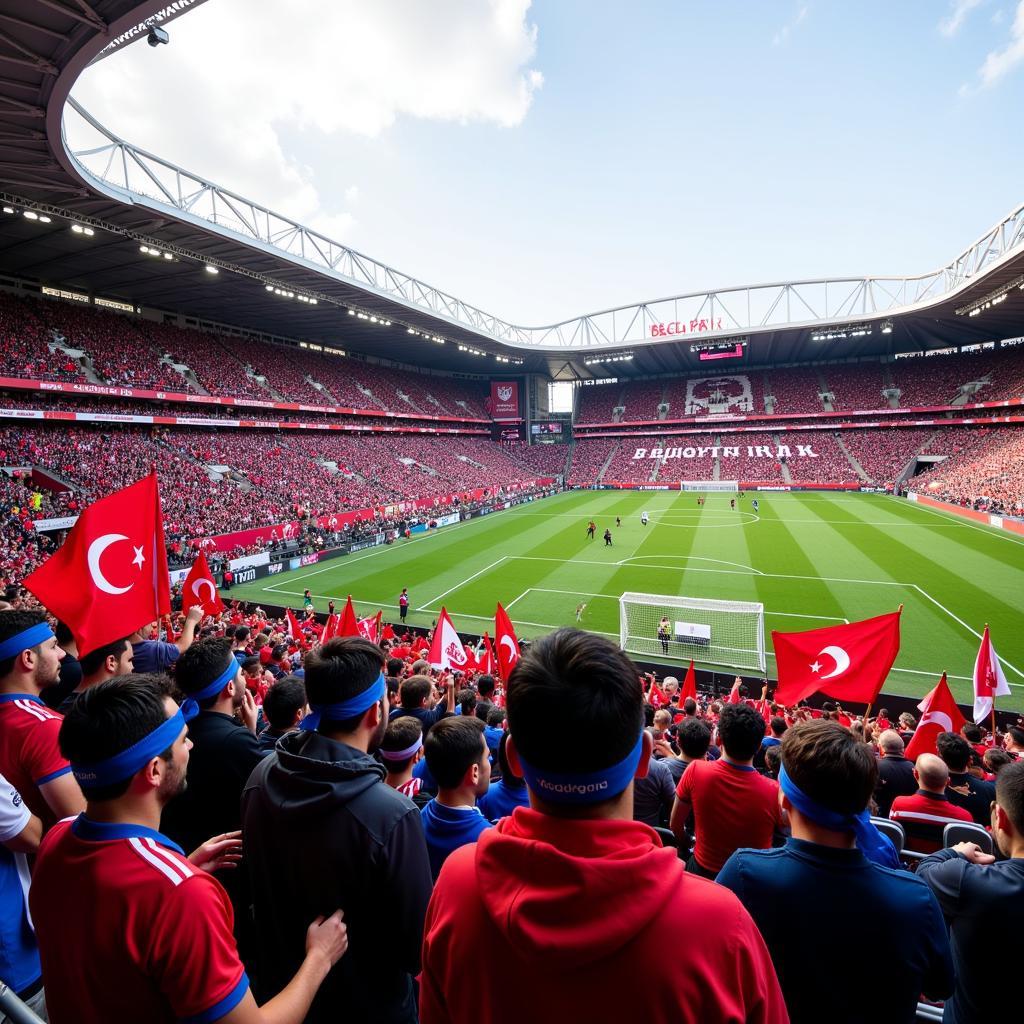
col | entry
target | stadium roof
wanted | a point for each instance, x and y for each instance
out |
(130, 199)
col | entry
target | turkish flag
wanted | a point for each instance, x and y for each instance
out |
(294, 629)
(849, 662)
(446, 648)
(369, 628)
(348, 624)
(657, 696)
(330, 628)
(485, 662)
(989, 681)
(387, 633)
(941, 714)
(689, 684)
(109, 577)
(199, 589)
(506, 643)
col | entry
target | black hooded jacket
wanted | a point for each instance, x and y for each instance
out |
(323, 831)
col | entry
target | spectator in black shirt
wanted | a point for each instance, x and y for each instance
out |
(895, 772)
(981, 898)
(963, 789)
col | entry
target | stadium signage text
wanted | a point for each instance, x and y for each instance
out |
(696, 326)
(246, 575)
(754, 451)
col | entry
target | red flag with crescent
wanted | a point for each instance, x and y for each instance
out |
(109, 577)
(200, 589)
(506, 643)
(940, 714)
(850, 661)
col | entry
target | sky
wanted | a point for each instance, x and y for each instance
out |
(545, 160)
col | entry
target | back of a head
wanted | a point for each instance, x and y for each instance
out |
(111, 717)
(495, 717)
(1016, 734)
(467, 701)
(954, 750)
(201, 663)
(574, 677)
(401, 734)
(394, 667)
(741, 730)
(486, 686)
(283, 701)
(1010, 793)
(689, 707)
(830, 765)
(694, 739)
(778, 727)
(339, 670)
(452, 747)
(414, 691)
(241, 634)
(971, 732)
(95, 659)
(995, 760)
(932, 772)
(891, 743)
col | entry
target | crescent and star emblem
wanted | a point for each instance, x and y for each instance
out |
(838, 655)
(95, 552)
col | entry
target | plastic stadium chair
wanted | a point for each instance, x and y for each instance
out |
(667, 836)
(891, 830)
(966, 832)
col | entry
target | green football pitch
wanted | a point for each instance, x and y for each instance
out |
(812, 558)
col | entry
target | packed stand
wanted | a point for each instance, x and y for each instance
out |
(795, 390)
(856, 386)
(641, 399)
(749, 464)
(588, 456)
(884, 454)
(597, 403)
(25, 341)
(986, 475)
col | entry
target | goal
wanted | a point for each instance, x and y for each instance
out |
(727, 633)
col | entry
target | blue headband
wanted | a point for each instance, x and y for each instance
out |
(583, 787)
(213, 688)
(31, 637)
(347, 708)
(124, 765)
(876, 847)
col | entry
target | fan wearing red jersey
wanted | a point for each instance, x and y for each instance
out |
(30, 756)
(570, 892)
(128, 927)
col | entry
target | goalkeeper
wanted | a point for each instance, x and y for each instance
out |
(664, 633)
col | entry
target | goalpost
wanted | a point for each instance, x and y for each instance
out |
(728, 633)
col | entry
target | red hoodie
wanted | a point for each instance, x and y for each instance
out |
(588, 920)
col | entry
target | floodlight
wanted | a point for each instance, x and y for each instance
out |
(156, 35)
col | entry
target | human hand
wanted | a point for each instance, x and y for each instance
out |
(664, 748)
(195, 614)
(248, 711)
(218, 853)
(974, 853)
(327, 939)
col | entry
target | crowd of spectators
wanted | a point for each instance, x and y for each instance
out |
(795, 389)
(986, 474)
(642, 398)
(885, 454)
(439, 812)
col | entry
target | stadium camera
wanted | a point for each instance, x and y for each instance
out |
(156, 35)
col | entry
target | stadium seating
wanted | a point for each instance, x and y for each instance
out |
(856, 386)
(598, 402)
(795, 390)
(589, 456)
(642, 399)
(884, 454)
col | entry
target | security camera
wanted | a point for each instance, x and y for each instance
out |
(157, 35)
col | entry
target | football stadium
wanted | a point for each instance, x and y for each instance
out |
(349, 629)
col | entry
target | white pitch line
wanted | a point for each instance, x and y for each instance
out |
(691, 558)
(988, 531)
(424, 607)
(519, 598)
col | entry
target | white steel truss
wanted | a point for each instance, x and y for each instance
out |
(120, 169)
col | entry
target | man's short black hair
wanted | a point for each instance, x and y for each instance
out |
(689, 706)
(251, 663)
(401, 734)
(415, 690)
(12, 623)
(778, 726)
(495, 717)
(694, 738)
(200, 664)
(773, 759)
(486, 685)
(242, 634)
(395, 666)
(63, 633)
(1016, 734)
(741, 729)
(93, 661)
(283, 700)
(954, 750)
(452, 747)
(830, 765)
(339, 670)
(467, 701)
(580, 680)
(111, 717)
(972, 732)
(1010, 793)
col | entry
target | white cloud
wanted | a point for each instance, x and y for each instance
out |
(238, 73)
(787, 30)
(1001, 62)
(959, 10)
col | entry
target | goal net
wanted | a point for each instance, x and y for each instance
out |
(728, 633)
(709, 485)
